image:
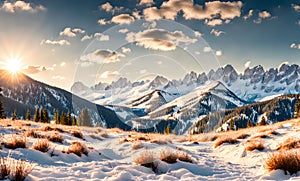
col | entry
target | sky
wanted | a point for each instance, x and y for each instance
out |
(60, 42)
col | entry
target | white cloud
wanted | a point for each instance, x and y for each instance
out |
(101, 37)
(213, 22)
(126, 50)
(298, 22)
(207, 49)
(170, 9)
(102, 22)
(149, 24)
(122, 19)
(136, 15)
(217, 33)
(12, 7)
(264, 14)
(109, 8)
(101, 56)
(31, 69)
(295, 46)
(146, 2)
(69, 32)
(197, 34)
(109, 74)
(219, 53)
(58, 77)
(250, 14)
(125, 30)
(86, 37)
(158, 39)
(62, 64)
(55, 42)
(296, 7)
(247, 64)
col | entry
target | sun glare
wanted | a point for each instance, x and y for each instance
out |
(13, 65)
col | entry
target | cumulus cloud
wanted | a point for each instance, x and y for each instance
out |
(197, 34)
(12, 7)
(102, 22)
(219, 53)
(250, 14)
(296, 7)
(31, 69)
(295, 46)
(101, 57)
(158, 39)
(109, 74)
(126, 50)
(213, 22)
(101, 37)
(170, 9)
(55, 42)
(247, 64)
(86, 37)
(146, 2)
(58, 77)
(207, 49)
(136, 14)
(125, 30)
(264, 14)
(109, 8)
(69, 32)
(122, 19)
(217, 33)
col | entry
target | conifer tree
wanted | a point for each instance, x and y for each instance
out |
(69, 118)
(231, 125)
(2, 113)
(45, 116)
(28, 116)
(36, 116)
(168, 129)
(41, 116)
(249, 123)
(63, 118)
(14, 116)
(297, 107)
(84, 118)
(263, 121)
(74, 121)
(56, 117)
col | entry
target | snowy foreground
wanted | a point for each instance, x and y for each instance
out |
(112, 153)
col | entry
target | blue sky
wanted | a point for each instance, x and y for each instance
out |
(61, 41)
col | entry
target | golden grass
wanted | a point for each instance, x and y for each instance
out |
(254, 144)
(147, 159)
(223, 140)
(78, 148)
(16, 142)
(288, 161)
(55, 137)
(137, 146)
(42, 145)
(14, 169)
(171, 156)
(77, 134)
(290, 143)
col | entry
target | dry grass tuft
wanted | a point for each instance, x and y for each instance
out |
(137, 146)
(33, 133)
(289, 161)
(56, 137)
(261, 136)
(78, 148)
(242, 136)
(16, 142)
(171, 156)
(255, 145)
(77, 134)
(290, 143)
(14, 169)
(46, 128)
(229, 140)
(147, 159)
(42, 145)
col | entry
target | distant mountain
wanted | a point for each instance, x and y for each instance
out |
(275, 110)
(21, 92)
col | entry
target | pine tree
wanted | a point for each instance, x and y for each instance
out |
(45, 116)
(84, 118)
(168, 129)
(74, 121)
(63, 118)
(297, 107)
(249, 123)
(14, 116)
(56, 117)
(231, 125)
(41, 116)
(36, 116)
(263, 121)
(28, 116)
(69, 118)
(2, 113)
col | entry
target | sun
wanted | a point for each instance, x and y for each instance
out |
(13, 65)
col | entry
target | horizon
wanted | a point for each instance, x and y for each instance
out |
(141, 39)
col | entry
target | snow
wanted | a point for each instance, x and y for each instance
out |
(109, 158)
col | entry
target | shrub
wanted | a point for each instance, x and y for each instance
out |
(288, 161)
(289, 143)
(33, 133)
(77, 134)
(56, 137)
(42, 145)
(171, 156)
(78, 148)
(255, 145)
(147, 159)
(16, 142)
(14, 169)
(229, 140)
